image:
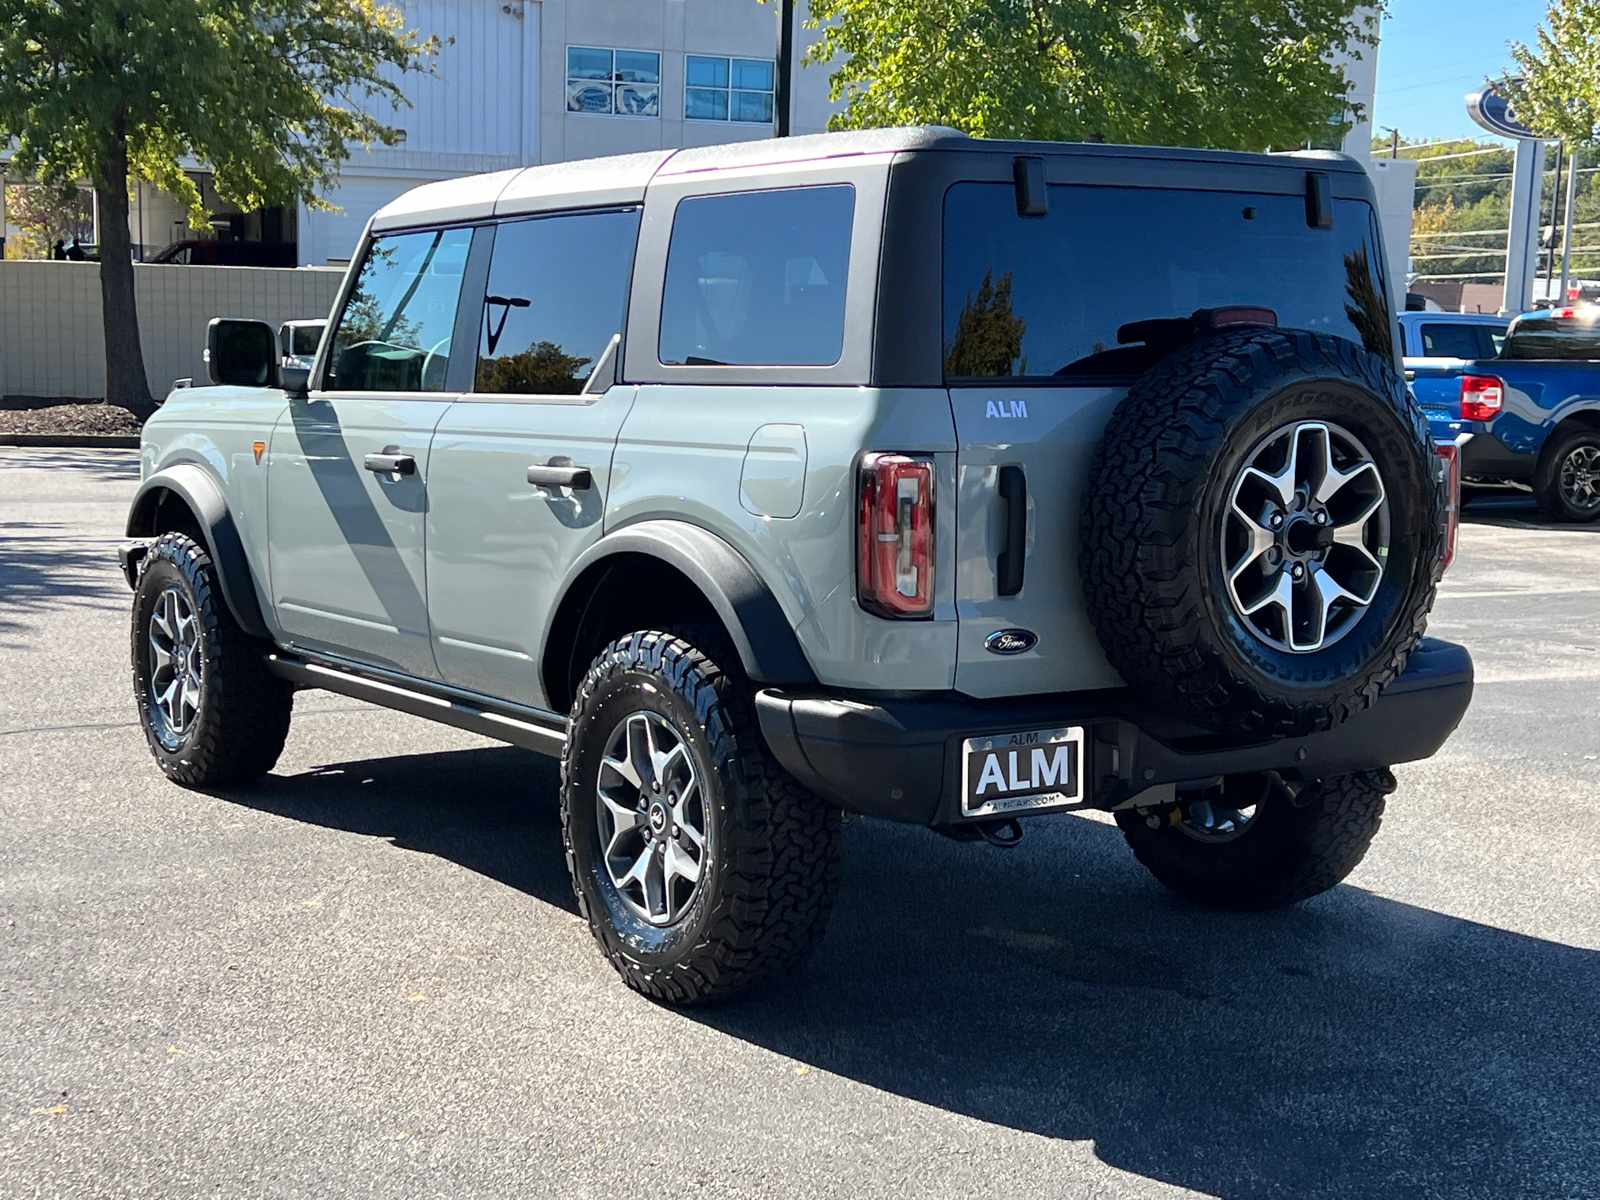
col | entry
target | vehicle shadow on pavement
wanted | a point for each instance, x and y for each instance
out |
(1350, 1047)
(492, 811)
(1517, 510)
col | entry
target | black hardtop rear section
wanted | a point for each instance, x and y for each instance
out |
(908, 349)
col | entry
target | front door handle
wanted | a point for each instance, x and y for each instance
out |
(390, 464)
(552, 475)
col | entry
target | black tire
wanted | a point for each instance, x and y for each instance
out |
(237, 729)
(1287, 853)
(1564, 482)
(771, 863)
(1155, 514)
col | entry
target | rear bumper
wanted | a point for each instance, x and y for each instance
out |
(901, 758)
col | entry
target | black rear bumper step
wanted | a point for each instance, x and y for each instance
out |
(529, 728)
(901, 758)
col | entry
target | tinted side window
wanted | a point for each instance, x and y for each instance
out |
(1450, 341)
(1553, 338)
(1045, 296)
(1494, 340)
(557, 290)
(758, 278)
(394, 333)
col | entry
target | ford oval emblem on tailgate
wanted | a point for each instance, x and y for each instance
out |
(1010, 641)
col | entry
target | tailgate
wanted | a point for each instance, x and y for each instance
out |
(1049, 434)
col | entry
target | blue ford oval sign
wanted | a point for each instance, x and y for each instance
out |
(1010, 641)
(1490, 108)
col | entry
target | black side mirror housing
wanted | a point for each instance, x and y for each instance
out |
(242, 353)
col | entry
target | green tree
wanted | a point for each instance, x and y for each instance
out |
(1241, 74)
(47, 215)
(269, 94)
(544, 369)
(988, 336)
(1558, 95)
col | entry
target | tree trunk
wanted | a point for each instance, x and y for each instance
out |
(125, 378)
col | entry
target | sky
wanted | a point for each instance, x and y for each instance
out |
(1433, 52)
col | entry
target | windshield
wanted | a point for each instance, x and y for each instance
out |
(1038, 297)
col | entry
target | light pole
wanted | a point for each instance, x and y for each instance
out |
(783, 96)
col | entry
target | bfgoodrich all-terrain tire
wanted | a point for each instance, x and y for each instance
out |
(210, 710)
(1262, 531)
(702, 867)
(1251, 844)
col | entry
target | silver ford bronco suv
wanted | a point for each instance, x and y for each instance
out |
(891, 473)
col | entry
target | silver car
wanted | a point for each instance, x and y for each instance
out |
(890, 473)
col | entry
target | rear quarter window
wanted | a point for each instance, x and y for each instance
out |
(758, 278)
(1043, 297)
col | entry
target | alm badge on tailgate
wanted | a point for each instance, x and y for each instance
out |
(1009, 772)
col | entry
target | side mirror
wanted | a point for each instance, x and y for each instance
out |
(243, 353)
(295, 380)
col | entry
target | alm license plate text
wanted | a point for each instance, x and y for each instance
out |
(1007, 772)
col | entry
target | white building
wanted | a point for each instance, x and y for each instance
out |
(519, 82)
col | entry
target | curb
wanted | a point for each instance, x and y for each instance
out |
(105, 441)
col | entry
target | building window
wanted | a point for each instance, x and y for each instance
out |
(623, 83)
(728, 89)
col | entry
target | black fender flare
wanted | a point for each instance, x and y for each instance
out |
(203, 496)
(762, 635)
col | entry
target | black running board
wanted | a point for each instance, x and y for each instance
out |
(544, 732)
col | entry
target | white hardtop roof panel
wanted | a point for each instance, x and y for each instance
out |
(469, 198)
(619, 179)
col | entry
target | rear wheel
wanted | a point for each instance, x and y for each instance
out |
(702, 867)
(1567, 482)
(1253, 843)
(210, 710)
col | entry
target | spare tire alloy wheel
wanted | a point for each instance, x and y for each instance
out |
(1305, 537)
(1262, 531)
(651, 819)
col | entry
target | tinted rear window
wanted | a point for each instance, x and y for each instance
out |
(1036, 297)
(758, 278)
(1553, 338)
(1451, 341)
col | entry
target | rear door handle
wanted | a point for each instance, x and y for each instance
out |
(390, 464)
(545, 475)
(1009, 562)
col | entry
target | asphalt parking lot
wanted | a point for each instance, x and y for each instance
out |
(366, 975)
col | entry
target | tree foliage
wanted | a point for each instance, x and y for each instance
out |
(1242, 74)
(1559, 93)
(47, 215)
(268, 94)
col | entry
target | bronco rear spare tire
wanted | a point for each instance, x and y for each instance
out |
(1262, 531)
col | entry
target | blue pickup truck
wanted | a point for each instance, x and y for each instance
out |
(1529, 414)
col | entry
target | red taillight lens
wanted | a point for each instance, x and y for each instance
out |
(1451, 453)
(1481, 396)
(894, 570)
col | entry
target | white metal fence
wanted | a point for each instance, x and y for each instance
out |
(52, 337)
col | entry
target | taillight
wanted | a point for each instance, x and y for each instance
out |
(1481, 397)
(1451, 453)
(894, 568)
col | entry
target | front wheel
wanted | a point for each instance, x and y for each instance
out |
(1567, 482)
(702, 867)
(210, 710)
(1253, 843)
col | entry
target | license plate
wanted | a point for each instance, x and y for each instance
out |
(1008, 772)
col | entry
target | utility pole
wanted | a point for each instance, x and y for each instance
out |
(1566, 232)
(783, 97)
